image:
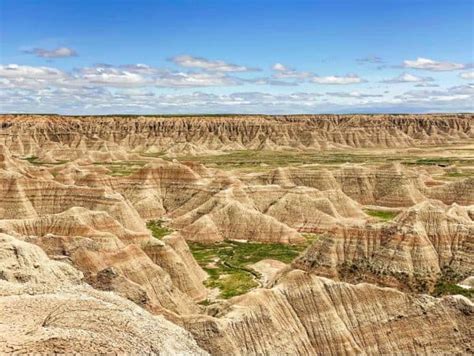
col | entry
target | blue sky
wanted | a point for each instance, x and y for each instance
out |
(236, 56)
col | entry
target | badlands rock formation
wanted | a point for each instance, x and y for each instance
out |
(45, 308)
(29, 134)
(422, 244)
(100, 218)
(307, 315)
(390, 185)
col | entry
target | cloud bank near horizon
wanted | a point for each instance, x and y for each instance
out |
(188, 86)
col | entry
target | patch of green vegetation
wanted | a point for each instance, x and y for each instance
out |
(382, 214)
(458, 174)
(443, 162)
(154, 154)
(227, 262)
(157, 229)
(447, 288)
(230, 281)
(433, 161)
(261, 159)
(122, 168)
(35, 160)
(205, 302)
(32, 159)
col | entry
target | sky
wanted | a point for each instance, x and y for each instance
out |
(228, 56)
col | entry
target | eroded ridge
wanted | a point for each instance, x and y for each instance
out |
(27, 133)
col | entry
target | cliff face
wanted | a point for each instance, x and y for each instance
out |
(306, 315)
(412, 253)
(27, 134)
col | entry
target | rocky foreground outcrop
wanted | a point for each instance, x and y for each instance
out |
(46, 308)
(308, 315)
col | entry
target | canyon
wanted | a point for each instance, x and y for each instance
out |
(237, 234)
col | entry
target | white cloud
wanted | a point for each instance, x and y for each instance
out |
(338, 80)
(280, 67)
(100, 100)
(354, 94)
(268, 81)
(29, 77)
(429, 64)
(408, 78)
(285, 72)
(181, 80)
(426, 85)
(467, 75)
(20, 71)
(103, 75)
(209, 65)
(461, 94)
(61, 52)
(111, 76)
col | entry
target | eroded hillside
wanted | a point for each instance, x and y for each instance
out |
(237, 235)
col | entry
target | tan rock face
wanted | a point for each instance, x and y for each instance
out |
(413, 252)
(200, 134)
(390, 185)
(45, 308)
(304, 314)
(101, 233)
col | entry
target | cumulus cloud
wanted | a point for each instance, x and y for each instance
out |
(29, 77)
(60, 52)
(461, 95)
(136, 75)
(338, 80)
(209, 65)
(101, 100)
(136, 88)
(280, 67)
(16, 71)
(284, 72)
(114, 77)
(408, 78)
(429, 64)
(269, 81)
(192, 80)
(467, 75)
(426, 85)
(142, 75)
(353, 94)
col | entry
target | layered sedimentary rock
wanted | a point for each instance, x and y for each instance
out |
(389, 185)
(460, 192)
(26, 134)
(225, 217)
(98, 226)
(101, 233)
(28, 197)
(423, 243)
(76, 194)
(45, 308)
(305, 315)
